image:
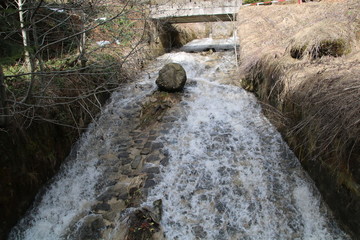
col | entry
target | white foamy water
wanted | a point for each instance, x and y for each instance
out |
(230, 174)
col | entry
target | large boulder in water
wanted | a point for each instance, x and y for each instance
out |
(172, 78)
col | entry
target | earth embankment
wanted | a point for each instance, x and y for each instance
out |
(302, 61)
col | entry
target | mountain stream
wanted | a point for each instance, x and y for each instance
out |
(224, 171)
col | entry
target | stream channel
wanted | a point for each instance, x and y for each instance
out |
(220, 168)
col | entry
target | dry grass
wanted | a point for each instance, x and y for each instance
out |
(304, 61)
(324, 38)
(265, 28)
(264, 76)
(330, 117)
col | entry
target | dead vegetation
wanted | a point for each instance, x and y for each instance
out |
(325, 38)
(315, 68)
(303, 62)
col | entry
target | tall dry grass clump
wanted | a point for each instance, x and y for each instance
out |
(328, 118)
(263, 76)
(325, 38)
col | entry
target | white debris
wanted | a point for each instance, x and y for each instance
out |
(101, 19)
(57, 10)
(102, 43)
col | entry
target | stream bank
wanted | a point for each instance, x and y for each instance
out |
(307, 78)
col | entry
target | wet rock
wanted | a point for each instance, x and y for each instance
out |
(147, 145)
(154, 170)
(237, 191)
(203, 197)
(153, 158)
(205, 182)
(136, 162)
(231, 229)
(165, 152)
(128, 107)
(169, 119)
(218, 221)
(156, 212)
(141, 224)
(122, 149)
(165, 161)
(123, 155)
(145, 192)
(167, 126)
(156, 146)
(152, 138)
(121, 141)
(150, 176)
(106, 196)
(135, 133)
(141, 136)
(221, 207)
(108, 157)
(251, 207)
(199, 232)
(102, 207)
(164, 131)
(110, 216)
(222, 235)
(125, 161)
(126, 171)
(111, 182)
(139, 141)
(111, 170)
(221, 171)
(193, 83)
(172, 78)
(149, 183)
(123, 196)
(90, 229)
(133, 190)
(145, 151)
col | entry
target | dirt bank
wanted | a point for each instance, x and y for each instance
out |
(302, 61)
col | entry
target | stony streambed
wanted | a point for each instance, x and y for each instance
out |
(202, 164)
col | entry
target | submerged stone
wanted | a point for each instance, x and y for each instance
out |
(136, 162)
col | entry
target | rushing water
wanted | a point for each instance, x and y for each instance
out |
(230, 175)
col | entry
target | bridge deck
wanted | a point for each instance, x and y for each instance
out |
(190, 13)
(197, 18)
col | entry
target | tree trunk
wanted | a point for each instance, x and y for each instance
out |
(82, 47)
(29, 60)
(24, 34)
(3, 109)
(38, 54)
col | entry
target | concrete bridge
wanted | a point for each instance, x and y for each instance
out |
(190, 11)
